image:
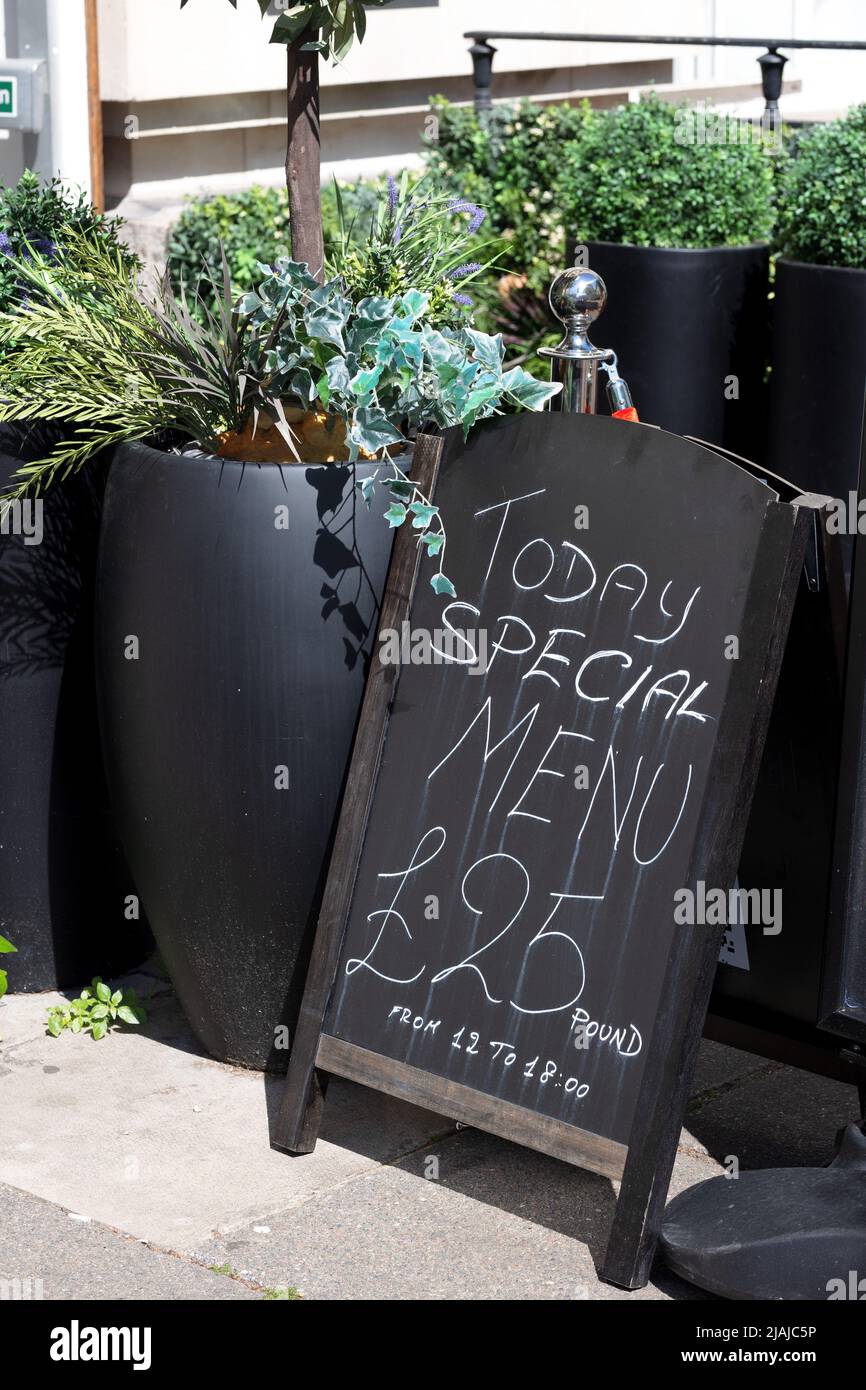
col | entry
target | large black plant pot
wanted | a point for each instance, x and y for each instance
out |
(236, 612)
(818, 377)
(66, 898)
(684, 323)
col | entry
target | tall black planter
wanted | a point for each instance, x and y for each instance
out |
(236, 612)
(64, 888)
(683, 324)
(819, 373)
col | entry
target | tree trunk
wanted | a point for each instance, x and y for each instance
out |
(303, 159)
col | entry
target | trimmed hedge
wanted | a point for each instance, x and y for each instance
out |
(642, 175)
(822, 194)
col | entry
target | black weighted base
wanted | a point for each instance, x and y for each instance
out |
(782, 1233)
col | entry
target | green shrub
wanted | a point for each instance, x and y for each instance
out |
(508, 163)
(822, 194)
(253, 227)
(36, 216)
(634, 176)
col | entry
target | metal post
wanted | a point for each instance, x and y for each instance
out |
(577, 297)
(772, 65)
(482, 73)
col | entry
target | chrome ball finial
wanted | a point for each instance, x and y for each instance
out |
(577, 297)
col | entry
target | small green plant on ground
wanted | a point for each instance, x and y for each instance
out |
(97, 1010)
(6, 948)
(822, 194)
(293, 1295)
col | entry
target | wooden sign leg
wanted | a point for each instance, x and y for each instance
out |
(300, 1117)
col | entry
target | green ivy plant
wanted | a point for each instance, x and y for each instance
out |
(6, 948)
(822, 194)
(96, 1011)
(385, 371)
(123, 368)
(336, 23)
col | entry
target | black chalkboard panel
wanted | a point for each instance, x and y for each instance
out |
(499, 937)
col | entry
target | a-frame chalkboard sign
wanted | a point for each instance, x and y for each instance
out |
(531, 803)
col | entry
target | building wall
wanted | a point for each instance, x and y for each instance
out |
(199, 95)
(196, 98)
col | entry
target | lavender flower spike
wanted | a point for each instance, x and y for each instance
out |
(465, 299)
(5, 245)
(393, 192)
(461, 271)
(476, 214)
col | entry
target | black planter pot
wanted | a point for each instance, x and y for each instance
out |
(236, 612)
(64, 888)
(682, 324)
(818, 377)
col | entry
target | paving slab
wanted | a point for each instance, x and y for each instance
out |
(47, 1254)
(779, 1117)
(149, 1138)
(144, 1132)
(471, 1218)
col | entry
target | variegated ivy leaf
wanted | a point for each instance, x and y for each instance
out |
(400, 488)
(434, 541)
(372, 430)
(423, 513)
(441, 585)
(414, 304)
(489, 351)
(395, 515)
(376, 308)
(531, 393)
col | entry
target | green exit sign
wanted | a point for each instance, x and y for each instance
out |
(9, 96)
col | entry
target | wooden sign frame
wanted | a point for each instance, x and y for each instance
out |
(643, 1167)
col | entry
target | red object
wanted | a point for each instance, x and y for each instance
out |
(628, 414)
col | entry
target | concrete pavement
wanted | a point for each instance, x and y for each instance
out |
(136, 1166)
